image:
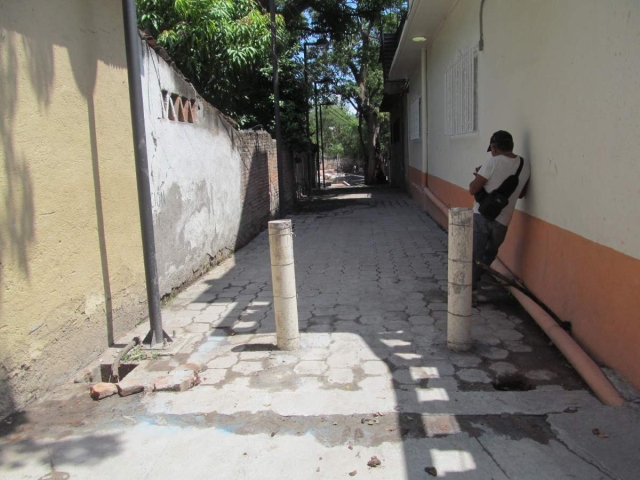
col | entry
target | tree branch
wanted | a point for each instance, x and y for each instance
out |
(354, 70)
(354, 104)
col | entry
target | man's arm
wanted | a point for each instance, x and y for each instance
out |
(477, 184)
(524, 190)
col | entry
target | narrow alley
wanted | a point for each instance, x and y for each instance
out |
(373, 376)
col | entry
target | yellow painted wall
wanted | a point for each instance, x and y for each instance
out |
(69, 225)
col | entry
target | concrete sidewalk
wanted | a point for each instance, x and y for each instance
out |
(373, 376)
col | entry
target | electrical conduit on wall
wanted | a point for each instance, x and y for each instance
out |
(585, 366)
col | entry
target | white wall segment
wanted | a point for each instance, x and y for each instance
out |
(564, 79)
(195, 172)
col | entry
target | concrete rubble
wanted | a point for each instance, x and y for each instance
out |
(152, 376)
(373, 391)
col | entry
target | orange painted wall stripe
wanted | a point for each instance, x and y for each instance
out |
(594, 287)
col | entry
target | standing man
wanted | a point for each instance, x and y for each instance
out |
(489, 234)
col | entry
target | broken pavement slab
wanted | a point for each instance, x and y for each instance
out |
(152, 375)
(178, 380)
(140, 379)
(579, 432)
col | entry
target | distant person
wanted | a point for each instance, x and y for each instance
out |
(497, 185)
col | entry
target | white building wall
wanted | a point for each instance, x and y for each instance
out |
(414, 145)
(564, 78)
(196, 182)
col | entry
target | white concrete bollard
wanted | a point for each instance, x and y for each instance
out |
(284, 284)
(460, 278)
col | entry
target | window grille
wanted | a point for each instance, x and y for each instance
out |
(461, 95)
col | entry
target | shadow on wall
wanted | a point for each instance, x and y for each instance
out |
(521, 243)
(31, 31)
(261, 185)
(254, 148)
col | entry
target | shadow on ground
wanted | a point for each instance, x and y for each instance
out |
(371, 277)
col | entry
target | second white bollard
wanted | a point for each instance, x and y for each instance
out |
(284, 284)
(460, 279)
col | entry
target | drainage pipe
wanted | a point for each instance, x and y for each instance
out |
(115, 373)
(481, 42)
(584, 365)
(437, 202)
(283, 275)
(424, 95)
(132, 44)
(459, 279)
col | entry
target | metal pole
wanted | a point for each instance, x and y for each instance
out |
(276, 93)
(306, 86)
(423, 116)
(315, 96)
(322, 146)
(283, 275)
(132, 44)
(460, 276)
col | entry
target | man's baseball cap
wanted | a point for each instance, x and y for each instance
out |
(502, 140)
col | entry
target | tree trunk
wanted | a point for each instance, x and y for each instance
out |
(363, 152)
(372, 159)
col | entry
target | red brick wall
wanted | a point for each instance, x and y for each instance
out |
(260, 183)
(289, 178)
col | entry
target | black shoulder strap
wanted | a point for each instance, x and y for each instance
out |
(509, 185)
(520, 167)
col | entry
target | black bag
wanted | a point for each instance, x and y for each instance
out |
(491, 204)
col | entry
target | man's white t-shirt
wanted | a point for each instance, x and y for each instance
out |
(496, 170)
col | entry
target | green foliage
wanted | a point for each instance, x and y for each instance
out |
(224, 48)
(138, 354)
(340, 130)
(354, 28)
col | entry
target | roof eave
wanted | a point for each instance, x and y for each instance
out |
(424, 19)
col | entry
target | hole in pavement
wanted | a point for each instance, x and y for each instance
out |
(124, 370)
(255, 347)
(513, 382)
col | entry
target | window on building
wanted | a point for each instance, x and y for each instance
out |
(414, 119)
(461, 95)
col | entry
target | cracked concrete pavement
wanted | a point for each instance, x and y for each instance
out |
(373, 376)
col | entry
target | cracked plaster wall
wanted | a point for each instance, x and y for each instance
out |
(71, 269)
(212, 186)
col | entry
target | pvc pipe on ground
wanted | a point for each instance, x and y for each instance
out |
(436, 201)
(115, 368)
(284, 284)
(460, 276)
(584, 365)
